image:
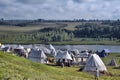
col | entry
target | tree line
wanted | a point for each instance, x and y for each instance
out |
(97, 30)
(55, 35)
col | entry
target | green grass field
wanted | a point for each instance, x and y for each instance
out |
(28, 28)
(15, 68)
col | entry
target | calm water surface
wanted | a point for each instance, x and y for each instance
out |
(112, 48)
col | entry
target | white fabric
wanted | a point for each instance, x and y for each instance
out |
(51, 47)
(53, 51)
(3, 46)
(63, 55)
(19, 47)
(94, 62)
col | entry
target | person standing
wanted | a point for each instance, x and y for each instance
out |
(97, 73)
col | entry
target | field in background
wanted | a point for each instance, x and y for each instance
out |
(28, 28)
(68, 27)
(36, 27)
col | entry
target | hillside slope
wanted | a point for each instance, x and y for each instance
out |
(16, 68)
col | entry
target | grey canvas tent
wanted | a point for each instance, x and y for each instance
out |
(37, 55)
(112, 62)
(93, 62)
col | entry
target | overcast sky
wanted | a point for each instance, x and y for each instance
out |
(60, 9)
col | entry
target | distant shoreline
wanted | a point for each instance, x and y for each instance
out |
(70, 43)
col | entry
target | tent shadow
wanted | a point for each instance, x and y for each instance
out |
(116, 67)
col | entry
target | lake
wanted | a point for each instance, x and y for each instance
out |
(112, 48)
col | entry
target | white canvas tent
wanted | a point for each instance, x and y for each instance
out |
(112, 62)
(63, 55)
(93, 62)
(37, 55)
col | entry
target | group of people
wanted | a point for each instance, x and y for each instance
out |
(64, 62)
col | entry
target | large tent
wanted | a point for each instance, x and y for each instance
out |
(93, 62)
(37, 55)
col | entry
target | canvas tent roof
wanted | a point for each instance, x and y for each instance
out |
(19, 47)
(84, 55)
(76, 51)
(37, 53)
(93, 62)
(63, 55)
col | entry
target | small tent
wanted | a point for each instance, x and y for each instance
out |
(20, 51)
(112, 62)
(37, 55)
(93, 62)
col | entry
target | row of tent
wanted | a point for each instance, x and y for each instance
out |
(39, 55)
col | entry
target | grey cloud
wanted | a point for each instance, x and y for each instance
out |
(80, 1)
(59, 9)
(31, 1)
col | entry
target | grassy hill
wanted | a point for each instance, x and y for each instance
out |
(38, 26)
(15, 68)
